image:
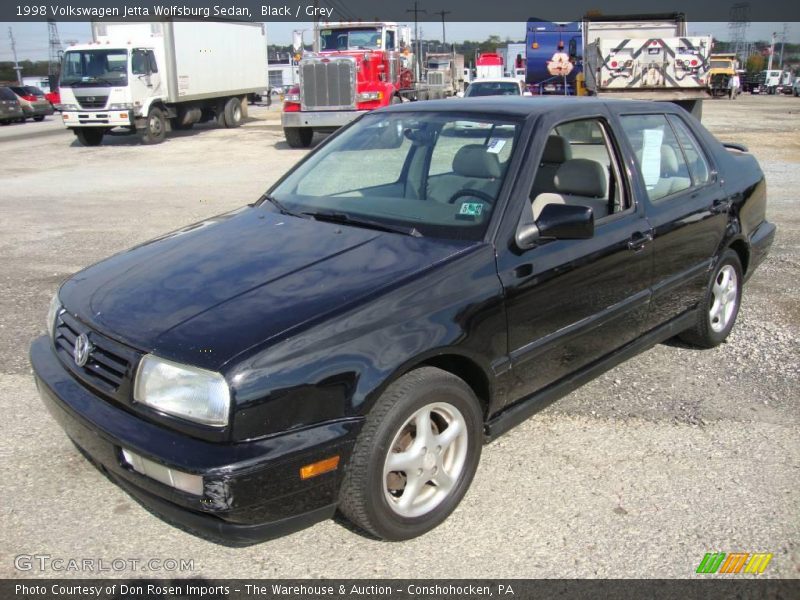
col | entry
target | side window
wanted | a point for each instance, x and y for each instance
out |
(579, 167)
(139, 62)
(151, 59)
(698, 165)
(659, 156)
(390, 40)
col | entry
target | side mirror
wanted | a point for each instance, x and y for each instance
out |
(557, 221)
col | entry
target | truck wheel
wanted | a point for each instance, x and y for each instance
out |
(89, 136)
(415, 456)
(156, 127)
(298, 137)
(233, 113)
(717, 312)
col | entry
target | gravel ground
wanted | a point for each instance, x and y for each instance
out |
(673, 454)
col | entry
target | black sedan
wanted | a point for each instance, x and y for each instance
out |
(406, 293)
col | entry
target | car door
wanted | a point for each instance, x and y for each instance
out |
(686, 206)
(571, 302)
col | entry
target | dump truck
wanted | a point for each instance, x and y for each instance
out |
(149, 78)
(722, 69)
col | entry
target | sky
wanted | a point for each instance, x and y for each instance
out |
(32, 38)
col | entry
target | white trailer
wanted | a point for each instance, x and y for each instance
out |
(646, 57)
(153, 77)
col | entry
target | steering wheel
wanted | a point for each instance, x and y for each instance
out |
(474, 193)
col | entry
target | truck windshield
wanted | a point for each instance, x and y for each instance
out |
(721, 64)
(95, 68)
(437, 174)
(360, 38)
(493, 88)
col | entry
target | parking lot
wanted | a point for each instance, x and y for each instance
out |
(673, 454)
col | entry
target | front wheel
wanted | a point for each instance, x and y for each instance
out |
(298, 137)
(89, 136)
(415, 457)
(233, 113)
(155, 129)
(718, 311)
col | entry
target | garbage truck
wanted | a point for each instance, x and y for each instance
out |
(150, 78)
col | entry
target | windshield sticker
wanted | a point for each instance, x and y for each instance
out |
(471, 209)
(495, 145)
(651, 156)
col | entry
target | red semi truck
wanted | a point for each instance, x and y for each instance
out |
(357, 67)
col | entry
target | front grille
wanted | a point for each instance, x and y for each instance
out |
(92, 101)
(109, 368)
(436, 78)
(328, 84)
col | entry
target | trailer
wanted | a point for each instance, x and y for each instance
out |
(646, 57)
(149, 78)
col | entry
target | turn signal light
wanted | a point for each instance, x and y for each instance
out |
(319, 467)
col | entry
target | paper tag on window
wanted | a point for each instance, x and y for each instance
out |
(495, 145)
(651, 156)
(472, 209)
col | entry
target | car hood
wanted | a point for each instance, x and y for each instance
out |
(210, 291)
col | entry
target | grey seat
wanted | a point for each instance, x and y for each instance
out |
(473, 169)
(671, 179)
(578, 182)
(556, 152)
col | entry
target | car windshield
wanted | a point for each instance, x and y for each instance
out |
(436, 175)
(492, 88)
(95, 67)
(7, 94)
(350, 39)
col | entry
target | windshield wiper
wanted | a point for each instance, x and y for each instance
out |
(277, 204)
(345, 219)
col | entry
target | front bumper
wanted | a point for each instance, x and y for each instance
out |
(252, 491)
(98, 118)
(321, 119)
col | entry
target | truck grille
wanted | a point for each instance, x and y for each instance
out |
(92, 101)
(328, 84)
(436, 78)
(109, 368)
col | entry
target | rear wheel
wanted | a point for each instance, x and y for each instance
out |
(233, 113)
(415, 457)
(38, 118)
(298, 137)
(155, 129)
(89, 136)
(717, 312)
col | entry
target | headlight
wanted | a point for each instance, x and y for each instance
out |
(367, 96)
(195, 394)
(52, 313)
(121, 106)
(63, 107)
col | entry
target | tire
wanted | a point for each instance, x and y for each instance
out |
(298, 137)
(371, 497)
(233, 113)
(89, 136)
(155, 129)
(719, 308)
(38, 118)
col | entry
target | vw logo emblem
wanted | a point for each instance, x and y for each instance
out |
(82, 350)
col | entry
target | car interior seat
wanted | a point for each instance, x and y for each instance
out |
(556, 152)
(474, 168)
(578, 182)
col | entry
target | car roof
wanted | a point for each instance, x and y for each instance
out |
(524, 106)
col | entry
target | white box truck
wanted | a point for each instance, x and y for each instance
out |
(149, 78)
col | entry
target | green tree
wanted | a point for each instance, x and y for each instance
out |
(755, 63)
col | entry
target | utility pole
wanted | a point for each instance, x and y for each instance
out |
(54, 58)
(771, 51)
(416, 12)
(17, 68)
(444, 37)
(783, 42)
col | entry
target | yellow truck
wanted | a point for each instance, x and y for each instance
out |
(722, 69)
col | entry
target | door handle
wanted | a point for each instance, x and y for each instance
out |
(720, 206)
(639, 240)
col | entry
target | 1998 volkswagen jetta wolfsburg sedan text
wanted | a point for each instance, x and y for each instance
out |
(412, 288)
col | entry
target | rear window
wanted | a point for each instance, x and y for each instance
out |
(20, 91)
(34, 90)
(7, 94)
